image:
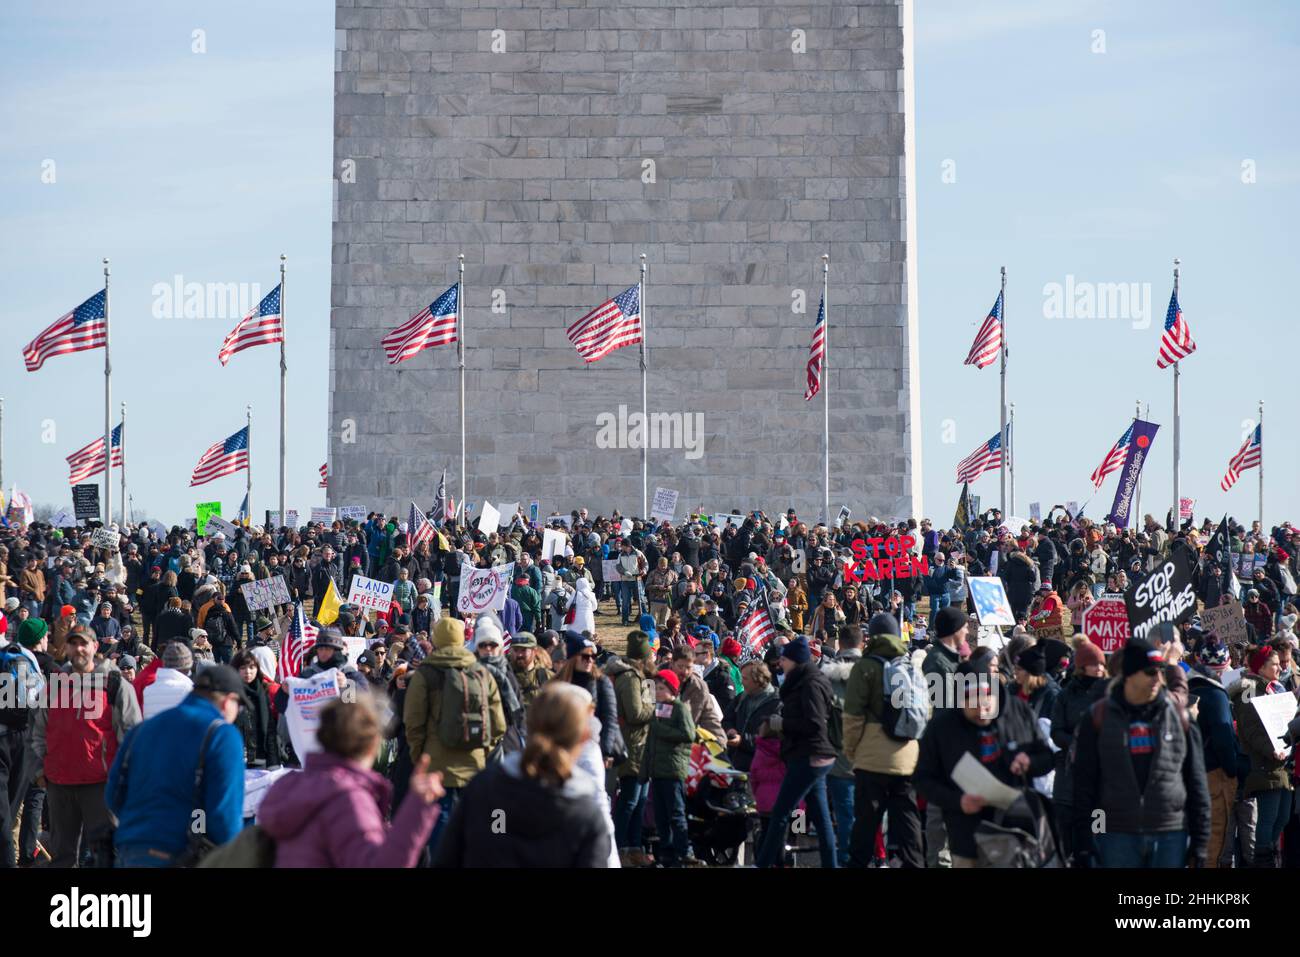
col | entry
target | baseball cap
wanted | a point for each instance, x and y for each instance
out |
(222, 679)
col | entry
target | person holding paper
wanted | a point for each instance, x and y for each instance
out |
(1268, 782)
(991, 726)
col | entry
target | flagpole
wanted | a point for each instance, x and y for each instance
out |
(645, 414)
(2, 445)
(1002, 410)
(826, 391)
(108, 410)
(122, 446)
(1177, 444)
(1137, 504)
(1261, 466)
(1011, 453)
(460, 358)
(248, 489)
(284, 371)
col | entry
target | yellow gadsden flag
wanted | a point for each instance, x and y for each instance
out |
(329, 606)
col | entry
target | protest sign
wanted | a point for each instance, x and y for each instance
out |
(1275, 713)
(726, 519)
(974, 504)
(484, 589)
(291, 517)
(85, 501)
(490, 520)
(880, 559)
(1228, 622)
(609, 570)
(534, 510)
(353, 513)
(1185, 508)
(991, 604)
(265, 593)
(306, 698)
(844, 514)
(1164, 595)
(324, 515)
(1072, 508)
(664, 506)
(63, 519)
(553, 542)
(1035, 512)
(508, 511)
(1105, 623)
(104, 538)
(370, 593)
(202, 512)
(257, 781)
(353, 646)
(218, 524)
(159, 530)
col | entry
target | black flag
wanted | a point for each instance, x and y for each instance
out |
(439, 512)
(1221, 552)
(961, 521)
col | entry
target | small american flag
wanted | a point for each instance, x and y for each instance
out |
(816, 353)
(988, 341)
(262, 326)
(301, 636)
(227, 456)
(1247, 457)
(418, 527)
(1114, 458)
(434, 325)
(88, 461)
(1176, 341)
(614, 323)
(324, 476)
(85, 327)
(985, 458)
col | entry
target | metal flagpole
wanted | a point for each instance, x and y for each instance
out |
(1261, 465)
(108, 410)
(1002, 409)
(2, 445)
(248, 488)
(122, 447)
(1011, 453)
(1177, 443)
(826, 392)
(645, 415)
(1137, 504)
(460, 357)
(284, 371)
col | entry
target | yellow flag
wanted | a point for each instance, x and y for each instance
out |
(329, 606)
(443, 543)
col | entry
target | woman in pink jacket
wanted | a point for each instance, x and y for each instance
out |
(332, 813)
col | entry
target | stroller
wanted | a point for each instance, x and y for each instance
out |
(719, 810)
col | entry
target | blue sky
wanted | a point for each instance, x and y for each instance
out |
(1101, 166)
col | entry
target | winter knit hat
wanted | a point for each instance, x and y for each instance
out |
(669, 677)
(31, 631)
(487, 630)
(1032, 660)
(1139, 655)
(177, 657)
(732, 649)
(1086, 654)
(882, 623)
(1258, 658)
(638, 645)
(947, 621)
(575, 642)
(448, 633)
(1213, 654)
(798, 651)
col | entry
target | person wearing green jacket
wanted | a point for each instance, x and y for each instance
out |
(528, 598)
(635, 696)
(666, 763)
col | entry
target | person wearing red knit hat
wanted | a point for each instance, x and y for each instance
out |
(665, 765)
(1268, 782)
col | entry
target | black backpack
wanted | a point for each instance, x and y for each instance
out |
(215, 626)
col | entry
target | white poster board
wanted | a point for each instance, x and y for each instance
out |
(63, 519)
(218, 524)
(292, 517)
(1276, 712)
(1035, 512)
(725, 519)
(370, 593)
(609, 570)
(991, 604)
(352, 513)
(484, 589)
(306, 698)
(265, 593)
(159, 530)
(106, 538)
(507, 514)
(664, 506)
(489, 521)
(553, 542)
(324, 515)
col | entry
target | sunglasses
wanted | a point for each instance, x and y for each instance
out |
(587, 656)
(1151, 672)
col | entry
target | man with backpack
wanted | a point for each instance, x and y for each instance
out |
(885, 710)
(178, 779)
(75, 739)
(452, 713)
(216, 618)
(1139, 771)
(22, 686)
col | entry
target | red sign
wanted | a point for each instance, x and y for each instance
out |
(883, 558)
(1105, 624)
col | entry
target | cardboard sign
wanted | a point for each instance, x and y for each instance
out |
(484, 589)
(991, 604)
(104, 538)
(323, 515)
(490, 520)
(664, 506)
(1228, 622)
(356, 513)
(1164, 595)
(265, 593)
(1105, 623)
(85, 501)
(306, 698)
(202, 512)
(370, 593)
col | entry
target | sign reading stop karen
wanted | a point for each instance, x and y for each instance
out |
(1106, 623)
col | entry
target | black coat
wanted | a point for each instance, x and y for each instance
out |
(806, 699)
(546, 827)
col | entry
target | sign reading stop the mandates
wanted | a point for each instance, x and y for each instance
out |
(1106, 623)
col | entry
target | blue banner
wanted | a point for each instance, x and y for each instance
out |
(1139, 448)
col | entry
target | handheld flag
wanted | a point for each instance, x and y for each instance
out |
(329, 605)
(440, 500)
(418, 528)
(961, 520)
(324, 476)
(297, 642)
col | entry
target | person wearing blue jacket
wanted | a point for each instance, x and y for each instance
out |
(1225, 763)
(937, 582)
(151, 785)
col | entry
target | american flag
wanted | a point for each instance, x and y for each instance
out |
(1176, 341)
(301, 636)
(755, 631)
(1247, 457)
(88, 461)
(1114, 458)
(418, 527)
(988, 341)
(324, 476)
(434, 325)
(985, 458)
(614, 323)
(816, 353)
(227, 456)
(85, 327)
(440, 500)
(262, 326)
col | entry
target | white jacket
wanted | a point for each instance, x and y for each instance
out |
(169, 689)
(584, 605)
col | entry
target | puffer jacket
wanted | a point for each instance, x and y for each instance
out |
(838, 669)
(1070, 707)
(865, 743)
(420, 713)
(668, 745)
(78, 742)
